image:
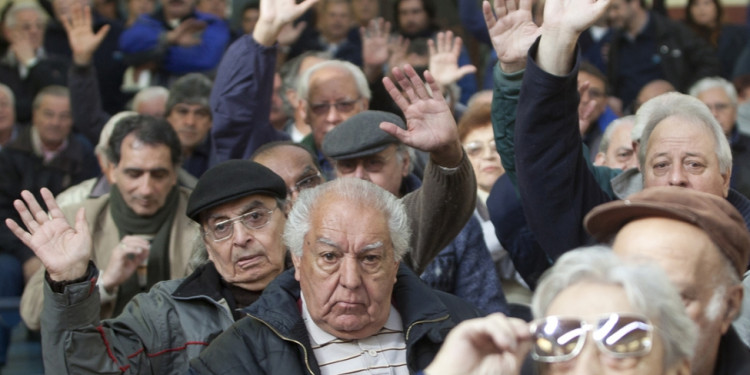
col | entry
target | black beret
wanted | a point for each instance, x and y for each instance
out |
(360, 135)
(231, 180)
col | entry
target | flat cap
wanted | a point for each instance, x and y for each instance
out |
(360, 135)
(713, 214)
(231, 180)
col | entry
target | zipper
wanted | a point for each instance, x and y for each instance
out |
(304, 350)
(408, 331)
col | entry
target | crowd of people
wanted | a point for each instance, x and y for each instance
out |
(324, 191)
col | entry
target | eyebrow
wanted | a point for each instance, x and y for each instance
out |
(373, 246)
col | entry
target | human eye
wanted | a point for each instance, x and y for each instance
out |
(374, 164)
(329, 257)
(222, 228)
(308, 182)
(473, 148)
(255, 218)
(160, 174)
(346, 166)
(345, 106)
(319, 109)
(133, 173)
(623, 155)
(694, 165)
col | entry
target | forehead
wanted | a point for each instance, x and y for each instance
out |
(410, 5)
(622, 133)
(136, 154)
(27, 15)
(484, 132)
(332, 83)
(239, 206)
(592, 79)
(714, 93)
(346, 221)
(689, 135)
(589, 300)
(190, 107)
(287, 161)
(55, 102)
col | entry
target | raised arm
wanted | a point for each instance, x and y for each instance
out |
(241, 96)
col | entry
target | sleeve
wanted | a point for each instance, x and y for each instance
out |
(438, 211)
(89, 116)
(241, 101)
(556, 186)
(504, 104)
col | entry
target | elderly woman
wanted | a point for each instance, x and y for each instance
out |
(636, 319)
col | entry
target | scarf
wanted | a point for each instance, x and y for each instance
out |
(159, 225)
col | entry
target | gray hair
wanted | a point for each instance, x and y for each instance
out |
(607, 136)
(192, 88)
(687, 108)
(148, 94)
(647, 288)
(10, 17)
(290, 75)
(350, 190)
(12, 98)
(713, 83)
(102, 148)
(303, 85)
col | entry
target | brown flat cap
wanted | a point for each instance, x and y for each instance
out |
(713, 214)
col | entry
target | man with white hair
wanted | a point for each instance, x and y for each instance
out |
(721, 98)
(616, 146)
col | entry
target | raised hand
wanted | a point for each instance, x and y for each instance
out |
(398, 48)
(274, 15)
(375, 43)
(444, 59)
(64, 250)
(429, 122)
(495, 344)
(83, 41)
(290, 33)
(512, 31)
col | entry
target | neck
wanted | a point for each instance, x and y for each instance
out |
(639, 22)
(5, 136)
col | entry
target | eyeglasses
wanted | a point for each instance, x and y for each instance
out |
(718, 107)
(308, 182)
(477, 148)
(255, 219)
(345, 106)
(559, 339)
(371, 164)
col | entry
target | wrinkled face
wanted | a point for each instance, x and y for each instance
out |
(365, 10)
(591, 301)
(347, 269)
(691, 262)
(620, 153)
(721, 107)
(335, 21)
(174, 9)
(333, 98)
(249, 258)
(52, 119)
(145, 175)
(704, 12)
(277, 116)
(29, 24)
(385, 169)
(620, 14)
(139, 7)
(7, 112)
(480, 146)
(191, 122)
(250, 19)
(597, 91)
(412, 17)
(682, 153)
(295, 166)
(216, 7)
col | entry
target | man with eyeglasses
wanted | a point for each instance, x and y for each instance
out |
(720, 96)
(293, 163)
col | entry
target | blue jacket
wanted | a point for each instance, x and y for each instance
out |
(274, 340)
(145, 42)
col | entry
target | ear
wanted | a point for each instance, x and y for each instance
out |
(726, 177)
(302, 111)
(365, 104)
(395, 272)
(297, 262)
(600, 159)
(407, 163)
(733, 306)
(636, 147)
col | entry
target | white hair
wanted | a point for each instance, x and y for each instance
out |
(148, 94)
(647, 289)
(103, 146)
(10, 17)
(685, 107)
(350, 190)
(12, 98)
(713, 83)
(303, 85)
(607, 136)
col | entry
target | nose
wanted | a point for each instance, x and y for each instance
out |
(333, 116)
(190, 119)
(146, 186)
(241, 235)
(677, 177)
(361, 173)
(349, 276)
(588, 361)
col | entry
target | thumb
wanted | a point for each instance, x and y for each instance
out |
(464, 70)
(102, 33)
(300, 26)
(394, 130)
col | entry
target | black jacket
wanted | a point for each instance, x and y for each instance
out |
(275, 341)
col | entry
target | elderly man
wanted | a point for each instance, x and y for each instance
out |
(702, 243)
(359, 148)
(240, 207)
(348, 305)
(616, 146)
(136, 224)
(721, 98)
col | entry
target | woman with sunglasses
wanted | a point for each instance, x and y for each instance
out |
(595, 315)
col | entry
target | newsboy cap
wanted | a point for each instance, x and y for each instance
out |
(231, 180)
(360, 135)
(711, 213)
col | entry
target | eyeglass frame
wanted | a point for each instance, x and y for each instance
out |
(645, 324)
(318, 108)
(297, 189)
(491, 144)
(211, 232)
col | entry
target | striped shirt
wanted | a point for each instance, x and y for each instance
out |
(382, 353)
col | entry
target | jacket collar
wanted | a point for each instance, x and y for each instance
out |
(203, 282)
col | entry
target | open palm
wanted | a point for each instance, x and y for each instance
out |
(512, 29)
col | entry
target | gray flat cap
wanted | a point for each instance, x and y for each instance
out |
(360, 135)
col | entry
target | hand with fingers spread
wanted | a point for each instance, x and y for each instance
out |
(495, 344)
(512, 31)
(83, 41)
(375, 44)
(125, 259)
(429, 122)
(64, 250)
(444, 59)
(274, 15)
